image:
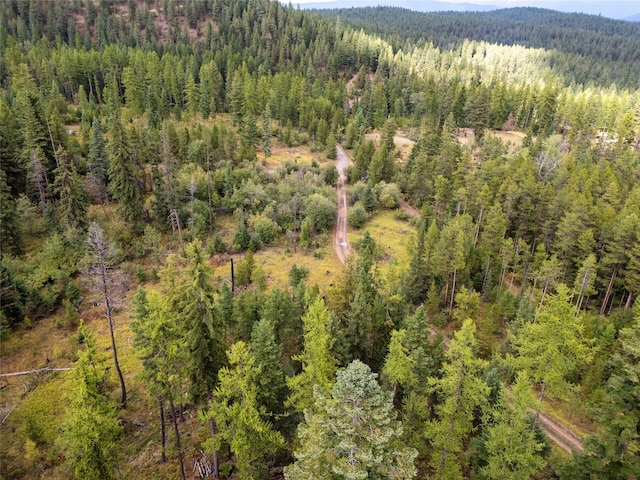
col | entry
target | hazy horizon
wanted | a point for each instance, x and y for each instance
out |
(617, 9)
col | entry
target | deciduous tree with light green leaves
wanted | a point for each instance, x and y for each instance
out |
(352, 434)
(552, 347)
(512, 448)
(614, 453)
(238, 416)
(318, 365)
(159, 345)
(464, 393)
(92, 428)
(399, 365)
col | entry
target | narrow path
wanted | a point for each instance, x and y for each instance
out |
(341, 245)
(562, 436)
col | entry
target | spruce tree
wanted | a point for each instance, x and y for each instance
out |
(270, 385)
(124, 176)
(72, 205)
(98, 160)
(266, 132)
(10, 229)
(193, 304)
(353, 433)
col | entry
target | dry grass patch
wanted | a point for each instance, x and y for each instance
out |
(299, 155)
(391, 234)
(323, 265)
(510, 138)
(403, 144)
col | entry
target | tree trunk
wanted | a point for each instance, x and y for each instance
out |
(175, 222)
(453, 291)
(209, 195)
(544, 292)
(475, 238)
(113, 338)
(485, 280)
(177, 433)
(163, 431)
(212, 427)
(603, 308)
(233, 279)
(537, 417)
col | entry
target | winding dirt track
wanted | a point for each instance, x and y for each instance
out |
(562, 436)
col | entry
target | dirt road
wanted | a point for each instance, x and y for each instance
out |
(561, 435)
(564, 437)
(341, 245)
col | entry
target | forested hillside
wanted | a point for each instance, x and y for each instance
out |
(584, 48)
(171, 301)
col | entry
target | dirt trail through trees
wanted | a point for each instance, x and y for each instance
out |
(564, 437)
(342, 246)
(561, 435)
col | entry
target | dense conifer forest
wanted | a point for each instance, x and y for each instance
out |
(584, 48)
(240, 240)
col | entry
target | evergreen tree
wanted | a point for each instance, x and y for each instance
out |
(124, 177)
(512, 447)
(352, 434)
(369, 200)
(399, 368)
(318, 366)
(97, 160)
(463, 393)
(249, 137)
(71, 206)
(10, 230)
(92, 428)
(161, 349)
(193, 304)
(270, 385)
(266, 132)
(613, 453)
(331, 151)
(450, 254)
(550, 349)
(239, 417)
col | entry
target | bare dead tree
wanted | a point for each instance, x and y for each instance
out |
(174, 219)
(192, 199)
(39, 177)
(100, 255)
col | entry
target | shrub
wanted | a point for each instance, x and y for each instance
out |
(357, 215)
(264, 227)
(388, 195)
(321, 211)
